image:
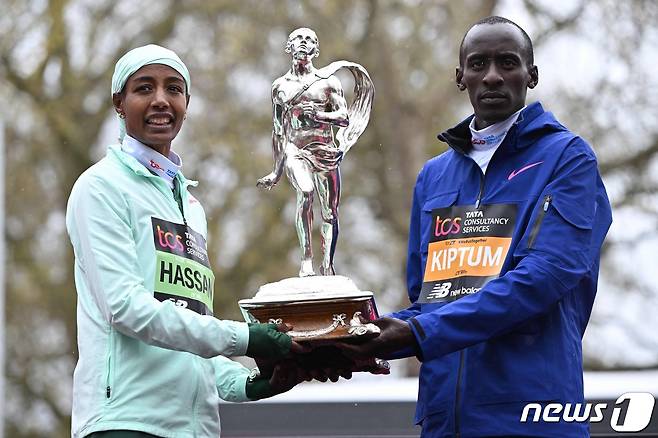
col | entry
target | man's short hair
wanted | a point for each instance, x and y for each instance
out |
(495, 19)
(302, 29)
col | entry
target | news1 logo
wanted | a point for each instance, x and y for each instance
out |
(631, 412)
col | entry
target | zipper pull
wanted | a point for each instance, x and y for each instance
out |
(547, 202)
(107, 392)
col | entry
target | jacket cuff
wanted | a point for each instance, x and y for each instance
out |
(241, 388)
(419, 334)
(241, 338)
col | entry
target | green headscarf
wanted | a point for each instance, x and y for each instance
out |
(138, 58)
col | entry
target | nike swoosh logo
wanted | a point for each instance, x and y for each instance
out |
(523, 169)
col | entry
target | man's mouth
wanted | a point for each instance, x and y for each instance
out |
(492, 97)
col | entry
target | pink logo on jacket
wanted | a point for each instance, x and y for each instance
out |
(523, 169)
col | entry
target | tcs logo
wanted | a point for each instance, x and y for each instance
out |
(170, 240)
(446, 226)
(155, 165)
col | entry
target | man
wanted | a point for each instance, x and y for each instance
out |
(504, 244)
(307, 104)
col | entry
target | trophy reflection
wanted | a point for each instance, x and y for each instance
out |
(308, 105)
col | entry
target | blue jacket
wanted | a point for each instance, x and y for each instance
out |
(491, 342)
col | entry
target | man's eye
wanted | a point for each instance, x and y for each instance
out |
(478, 63)
(176, 89)
(144, 87)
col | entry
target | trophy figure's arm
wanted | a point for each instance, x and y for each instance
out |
(270, 180)
(277, 139)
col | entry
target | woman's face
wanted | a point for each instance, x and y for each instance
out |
(154, 101)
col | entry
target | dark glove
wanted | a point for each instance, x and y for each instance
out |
(284, 376)
(265, 341)
(258, 387)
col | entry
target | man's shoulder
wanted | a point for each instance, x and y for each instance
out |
(441, 160)
(278, 82)
(563, 139)
(282, 80)
(437, 165)
(334, 81)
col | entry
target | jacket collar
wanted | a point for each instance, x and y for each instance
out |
(459, 136)
(138, 168)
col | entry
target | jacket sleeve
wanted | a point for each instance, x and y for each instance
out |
(231, 379)
(98, 223)
(550, 264)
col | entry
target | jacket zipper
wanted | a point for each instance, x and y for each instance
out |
(108, 379)
(178, 197)
(481, 192)
(457, 393)
(461, 353)
(539, 220)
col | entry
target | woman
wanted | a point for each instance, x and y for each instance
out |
(152, 357)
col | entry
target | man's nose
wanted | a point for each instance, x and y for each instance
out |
(492, 75)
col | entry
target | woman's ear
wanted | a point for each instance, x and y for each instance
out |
(117, 101)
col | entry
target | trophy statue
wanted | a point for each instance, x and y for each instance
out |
(307, 104)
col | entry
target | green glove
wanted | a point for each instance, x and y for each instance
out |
(258, 387)
(266, 342)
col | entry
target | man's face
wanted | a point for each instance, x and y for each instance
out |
(495, 71)
(154, 101)
(303, 43)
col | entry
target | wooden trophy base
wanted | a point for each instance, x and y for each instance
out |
(318, 308)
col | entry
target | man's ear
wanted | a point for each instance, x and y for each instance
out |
(117, 101)
(534, 76)
(459, 75)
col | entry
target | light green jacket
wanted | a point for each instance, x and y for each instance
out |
(145, 363)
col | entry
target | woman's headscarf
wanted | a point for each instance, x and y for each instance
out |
(138, 58)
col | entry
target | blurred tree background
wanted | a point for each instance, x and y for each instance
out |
(56, 61)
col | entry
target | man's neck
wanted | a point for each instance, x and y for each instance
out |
(302, 67)
(480, 123)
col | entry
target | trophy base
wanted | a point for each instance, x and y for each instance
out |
(319, 308)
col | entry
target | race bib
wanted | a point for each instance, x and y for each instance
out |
(467, 248)
(182, 273)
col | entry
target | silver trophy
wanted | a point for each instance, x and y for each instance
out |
(308, 106)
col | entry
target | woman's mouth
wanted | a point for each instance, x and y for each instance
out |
(159, 120)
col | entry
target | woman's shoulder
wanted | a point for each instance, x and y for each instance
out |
(102, 172)
(106, 175)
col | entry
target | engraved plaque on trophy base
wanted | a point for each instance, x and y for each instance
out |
(319, 308)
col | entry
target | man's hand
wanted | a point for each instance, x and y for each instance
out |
(269, 341)
(268, 181)
(329, 362)
(308, 109)
(395, 335)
